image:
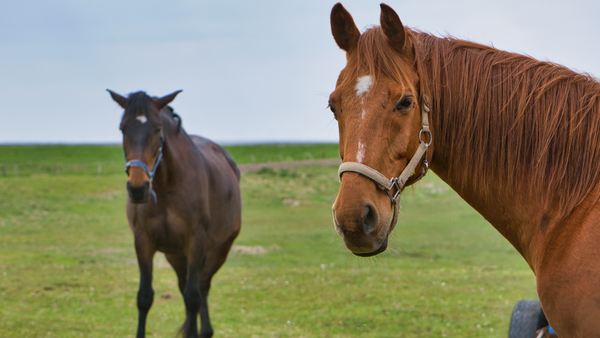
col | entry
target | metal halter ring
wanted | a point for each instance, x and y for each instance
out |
(430, 137)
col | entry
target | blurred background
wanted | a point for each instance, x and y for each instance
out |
(252, 71)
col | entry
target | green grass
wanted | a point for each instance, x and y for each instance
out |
(68, 268)
(244, 154)
(90, 160)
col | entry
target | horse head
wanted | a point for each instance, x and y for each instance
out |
(143, 139)
(377, 103)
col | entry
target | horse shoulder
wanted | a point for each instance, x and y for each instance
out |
(567, 284)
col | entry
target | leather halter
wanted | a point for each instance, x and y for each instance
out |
(141, 164)
(387, 184)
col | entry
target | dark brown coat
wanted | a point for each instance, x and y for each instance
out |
(197, 213)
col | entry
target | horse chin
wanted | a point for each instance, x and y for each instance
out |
(381, 249)
(142, 201)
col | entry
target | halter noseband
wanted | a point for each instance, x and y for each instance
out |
(397, 182)
(141, 164)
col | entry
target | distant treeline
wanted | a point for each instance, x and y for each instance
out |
(42, 160)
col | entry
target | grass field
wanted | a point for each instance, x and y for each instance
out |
(56, 160)
(68, 268)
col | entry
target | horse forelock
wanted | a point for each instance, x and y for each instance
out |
(375, 59)
(505, 116)
(138, 104)
(138, 108)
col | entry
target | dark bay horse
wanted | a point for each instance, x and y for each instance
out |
(515, 137)
(184, 200)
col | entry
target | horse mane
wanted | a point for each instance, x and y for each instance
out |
(503, 116)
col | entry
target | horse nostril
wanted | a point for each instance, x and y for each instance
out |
(337, 226)
(369, 219)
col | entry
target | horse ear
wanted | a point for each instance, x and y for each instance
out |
(118, 98)
(165, 100)
(392, 27)
(343, 28)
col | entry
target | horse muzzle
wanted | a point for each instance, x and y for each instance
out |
(376, 252)
(364, 231)
(139, 194)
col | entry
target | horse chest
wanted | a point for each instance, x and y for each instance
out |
(167, 230)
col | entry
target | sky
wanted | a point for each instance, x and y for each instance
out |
(251, 71)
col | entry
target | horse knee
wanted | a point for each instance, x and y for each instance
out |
(145, 298)
(192, 299)
(205, 286)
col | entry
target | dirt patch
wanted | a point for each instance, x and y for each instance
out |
(245, 168)
(253, 250)
(166, 295)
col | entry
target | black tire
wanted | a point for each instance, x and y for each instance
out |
(527, 317)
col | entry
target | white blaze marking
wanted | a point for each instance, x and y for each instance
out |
(361, 152)
(142, 119)
(363, 85)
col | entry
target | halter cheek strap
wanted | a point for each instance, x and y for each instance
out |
(141, 164)
(387, 184)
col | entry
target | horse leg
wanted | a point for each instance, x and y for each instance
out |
(145, 295)
(206, 330)
(214, 261)
(179, 264)
(191, 293)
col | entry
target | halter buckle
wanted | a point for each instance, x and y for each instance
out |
(396, 198)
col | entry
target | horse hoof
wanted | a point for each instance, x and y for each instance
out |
(207, 334)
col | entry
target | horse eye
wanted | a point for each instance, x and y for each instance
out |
(331, 107)
(406, 102)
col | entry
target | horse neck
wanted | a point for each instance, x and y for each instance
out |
(515, 212)
(175, 148)
(514, 216)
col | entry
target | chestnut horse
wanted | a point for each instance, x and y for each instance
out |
(515, 137)
(188, 206)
